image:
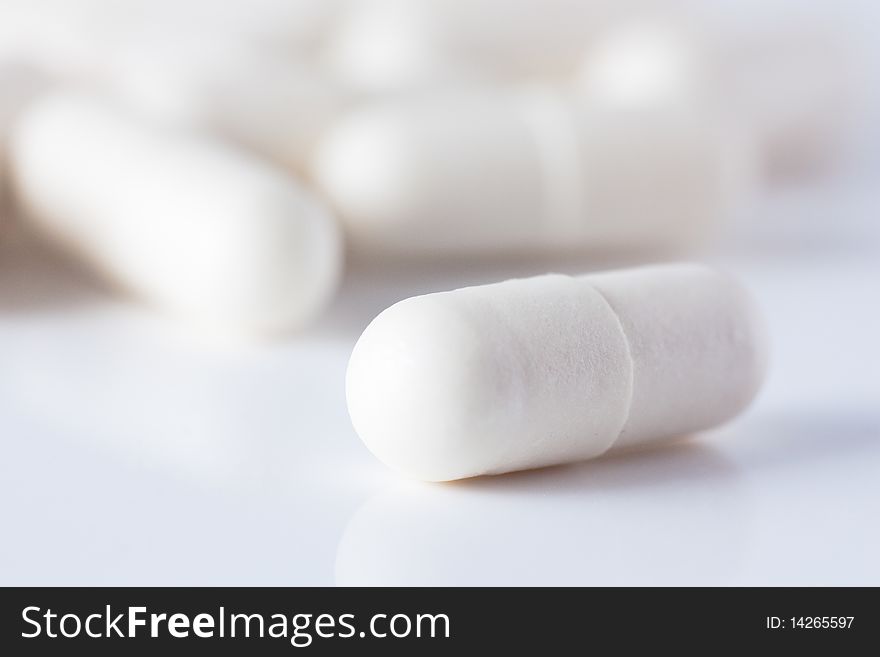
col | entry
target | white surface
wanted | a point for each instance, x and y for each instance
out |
(133, 455)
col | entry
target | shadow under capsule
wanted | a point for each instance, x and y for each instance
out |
(671, 516)
(36, 276)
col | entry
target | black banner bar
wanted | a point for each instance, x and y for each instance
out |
(429, 621)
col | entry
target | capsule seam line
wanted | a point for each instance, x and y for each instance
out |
(632, 373)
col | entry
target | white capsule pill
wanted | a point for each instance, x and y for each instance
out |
(493, 172)
(187, 223)
(547, 370)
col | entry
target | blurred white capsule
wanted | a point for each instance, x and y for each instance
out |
(293, 27)
(187, 223)
(383, 46)
(78, 39)
(70, 39)
(643, 64)
(273, 105)
(19, 84)
(787, 85)
(466, 172)
(392, 45)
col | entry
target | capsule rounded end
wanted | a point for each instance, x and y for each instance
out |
(411, 390)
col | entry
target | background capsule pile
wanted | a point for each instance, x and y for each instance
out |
(428, 131)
